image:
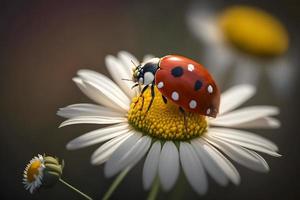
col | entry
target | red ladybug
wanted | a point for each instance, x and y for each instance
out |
(181, 80)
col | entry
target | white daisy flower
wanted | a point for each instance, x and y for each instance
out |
(44, 172)
(248, 43)
(160, 134)
(33, 173)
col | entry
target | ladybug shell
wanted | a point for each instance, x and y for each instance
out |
(188, 84)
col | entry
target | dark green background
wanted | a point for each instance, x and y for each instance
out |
(44, 43)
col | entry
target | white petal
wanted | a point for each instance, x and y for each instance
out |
(104, 151)
(101, 81)
(251, 146)
(32, 189)
(105, 86)
(242, 137)
(85, 109)
(261, 123)
(116, 156)
(243, 115)
(211, 166)
(139, 152)
(93, 120)
(98, 136)
(203, 24)
(127, 59)
(121, 69)
(218, 67)
(240, 155)
(108, 93)
(192, 168)
(235, 96)
(127, 155)
(168, 168)
(148, 57)
(246, 71)
(151, 165)
(284, 66)
(222, 161)
(95, 95)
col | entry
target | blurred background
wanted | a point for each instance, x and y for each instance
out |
(44, 43)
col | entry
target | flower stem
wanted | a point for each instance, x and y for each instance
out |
(178, 191)
(115, 184)
(154, 190)
(75, 189)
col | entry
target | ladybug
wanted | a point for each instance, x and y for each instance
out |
(183, 81)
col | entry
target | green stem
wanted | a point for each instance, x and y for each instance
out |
(154, 190)
(75, 189)
(115, 184)
(178, 191)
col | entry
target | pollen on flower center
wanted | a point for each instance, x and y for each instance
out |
(33, 170)
(164, 121)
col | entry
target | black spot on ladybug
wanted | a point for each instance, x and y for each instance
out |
(177, 71)
(198, 85)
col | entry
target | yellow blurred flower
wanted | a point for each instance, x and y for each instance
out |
(244, 42)
(254, 31)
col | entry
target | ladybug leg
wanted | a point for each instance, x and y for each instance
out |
(141, 108)
(135, 85)
(141, 95)
(184, 118)
(164, 99)
(152, 97)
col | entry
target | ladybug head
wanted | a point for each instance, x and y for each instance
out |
(145, 72)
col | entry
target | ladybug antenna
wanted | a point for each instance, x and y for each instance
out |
(133, 63)
(125, 79)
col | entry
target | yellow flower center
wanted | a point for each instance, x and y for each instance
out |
(33, 170)
(254, 31)
(164, 121)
